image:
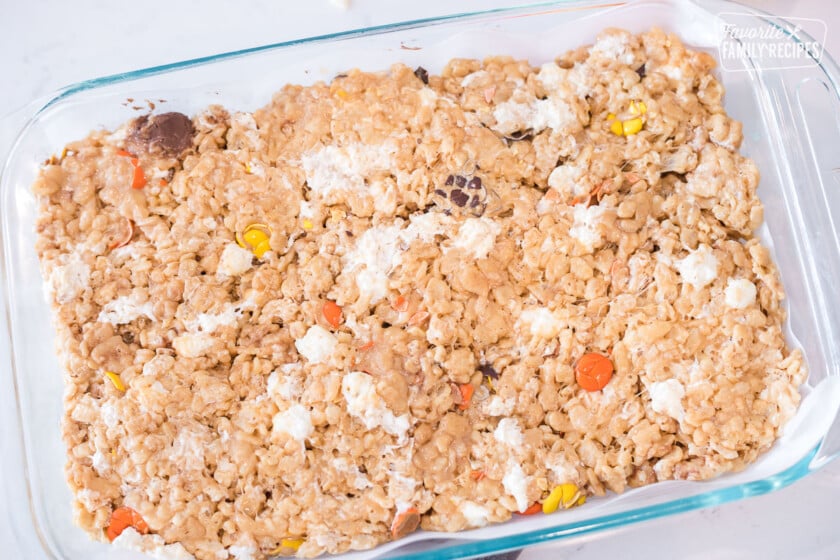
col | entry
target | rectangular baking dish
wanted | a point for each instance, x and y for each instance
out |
(790, 119)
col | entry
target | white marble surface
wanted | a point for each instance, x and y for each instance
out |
(45, 44)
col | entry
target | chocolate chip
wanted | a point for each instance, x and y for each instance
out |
(460, 181)
(422, 74)
(475, 201)
(450, 180)
(128, 337)
(459, 197)
(475, 183)
(440, 192)
(166, 135)
(641, 71)
(488, 371)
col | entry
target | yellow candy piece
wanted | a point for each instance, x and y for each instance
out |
(288, 547)
(571, 495)
(256, 238)
(551, 503)
(632, 126)
(292, 543)
(248, 168)
(566, 494)
(621, 127)
(307, 224)
(342, 94)
(260, 227)
(262, 248)
(115, 379)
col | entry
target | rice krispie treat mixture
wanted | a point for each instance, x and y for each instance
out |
(397, 299)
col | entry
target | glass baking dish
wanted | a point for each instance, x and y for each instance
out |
(791, 124)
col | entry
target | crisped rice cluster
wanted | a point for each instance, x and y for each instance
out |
(479, 231)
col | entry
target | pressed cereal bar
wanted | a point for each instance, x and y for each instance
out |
(403, 299)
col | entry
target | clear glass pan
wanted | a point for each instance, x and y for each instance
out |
(791, 127)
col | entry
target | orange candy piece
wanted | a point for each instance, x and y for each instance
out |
(535, 508)
(122, 518)
(466, 391)
(593, 371)
(332, 313)
(139, 180)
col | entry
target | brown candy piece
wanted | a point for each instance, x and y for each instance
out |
(405, 523)
(166, 135)
(422, 75)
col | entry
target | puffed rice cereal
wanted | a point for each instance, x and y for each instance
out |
(311, 328)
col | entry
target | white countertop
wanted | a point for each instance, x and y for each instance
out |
(45, 44)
